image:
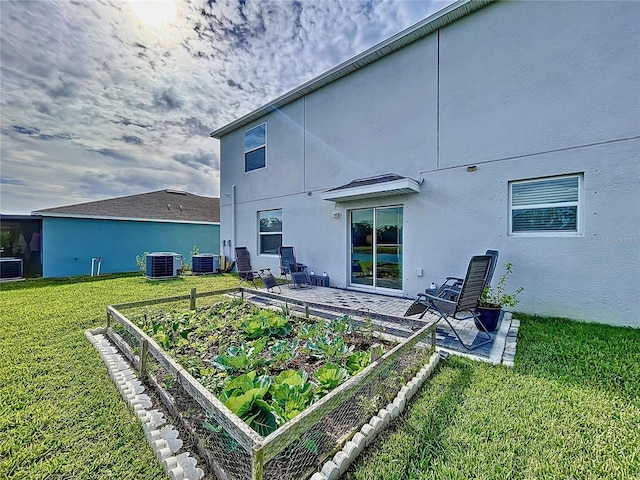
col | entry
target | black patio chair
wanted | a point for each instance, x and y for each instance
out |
(450, 288)
(295, 273)
(248, 274)
(467, 301)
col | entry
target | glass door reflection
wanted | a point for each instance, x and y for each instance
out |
(376, 260)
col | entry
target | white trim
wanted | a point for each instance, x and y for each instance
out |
(579, 204)
(401, 186)
(127, 219)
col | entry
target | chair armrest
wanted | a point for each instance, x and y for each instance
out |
(439, 299)
(454, 278)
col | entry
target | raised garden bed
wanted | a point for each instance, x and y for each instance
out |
(303, 386)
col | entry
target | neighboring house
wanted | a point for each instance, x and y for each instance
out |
(116, 230)
(511, 125)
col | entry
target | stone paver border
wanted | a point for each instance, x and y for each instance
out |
(162, 436)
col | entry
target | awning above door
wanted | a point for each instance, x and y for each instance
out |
(372, 187)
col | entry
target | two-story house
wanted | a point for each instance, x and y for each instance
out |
(511, 125)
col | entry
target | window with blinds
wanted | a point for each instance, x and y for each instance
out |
(546, 205)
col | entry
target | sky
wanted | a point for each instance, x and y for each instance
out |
(106, 98)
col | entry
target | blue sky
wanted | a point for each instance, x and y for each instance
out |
(104, 98)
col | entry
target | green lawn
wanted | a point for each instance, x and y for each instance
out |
(60, 414)
(569, 409)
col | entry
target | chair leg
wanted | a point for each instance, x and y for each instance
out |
(415, 308)
(468, 347)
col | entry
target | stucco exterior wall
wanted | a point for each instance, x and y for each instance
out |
(69, 244)
(519, 90)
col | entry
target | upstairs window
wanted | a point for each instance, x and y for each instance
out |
(546, 206)
(255, 148)
(269, 231)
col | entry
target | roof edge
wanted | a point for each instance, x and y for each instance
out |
(128, 219)
(419, 30)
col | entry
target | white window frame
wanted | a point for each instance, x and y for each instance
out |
(244, 136)
(260, 234)
(550, 233)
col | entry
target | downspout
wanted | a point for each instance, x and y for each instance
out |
(233, 220)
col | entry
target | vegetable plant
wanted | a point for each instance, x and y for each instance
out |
(291, 394)
(330, 376)
(244, 396)
(283, 352)
(241, 358)
(328, 346)
(357, 362)
(266, 323)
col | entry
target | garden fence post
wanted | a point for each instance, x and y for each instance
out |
(257, 462)
(143, 357)
(108, 318)
(192, 298)
(306, 311)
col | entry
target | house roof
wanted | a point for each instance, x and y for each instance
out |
(162, 205)
(420, 30)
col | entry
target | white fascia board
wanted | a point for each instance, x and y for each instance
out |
(395, 187)
(126, 219)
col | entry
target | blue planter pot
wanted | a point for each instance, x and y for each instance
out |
(489, 317)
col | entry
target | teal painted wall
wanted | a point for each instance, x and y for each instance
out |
(69, 244)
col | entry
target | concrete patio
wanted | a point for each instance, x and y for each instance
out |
(388, 312)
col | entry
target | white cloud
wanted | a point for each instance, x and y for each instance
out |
(96, 103)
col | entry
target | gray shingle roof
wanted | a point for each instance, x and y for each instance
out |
(163, 205)
(361, 182)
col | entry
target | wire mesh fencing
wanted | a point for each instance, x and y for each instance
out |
(230, 449)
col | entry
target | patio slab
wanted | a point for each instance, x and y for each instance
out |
(382, 308)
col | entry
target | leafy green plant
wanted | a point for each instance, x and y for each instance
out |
(241, 358)
(172, 330)
(266, 323)
(329, 376)
(329, 347)
(291, 394)
(367, 328)
(311, 330)
(358, 361)
(244, 396)
(497, 297)
(340, 325)
(283, 352)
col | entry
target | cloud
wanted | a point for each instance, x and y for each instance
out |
(12, 181)
(197, 160)
(107, 105)
(25, 130)
(132, 139)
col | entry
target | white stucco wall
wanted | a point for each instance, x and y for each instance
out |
(521, 90)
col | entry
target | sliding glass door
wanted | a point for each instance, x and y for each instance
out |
(376, 247)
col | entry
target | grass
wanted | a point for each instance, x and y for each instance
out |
(569, 409)
(60, 414)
